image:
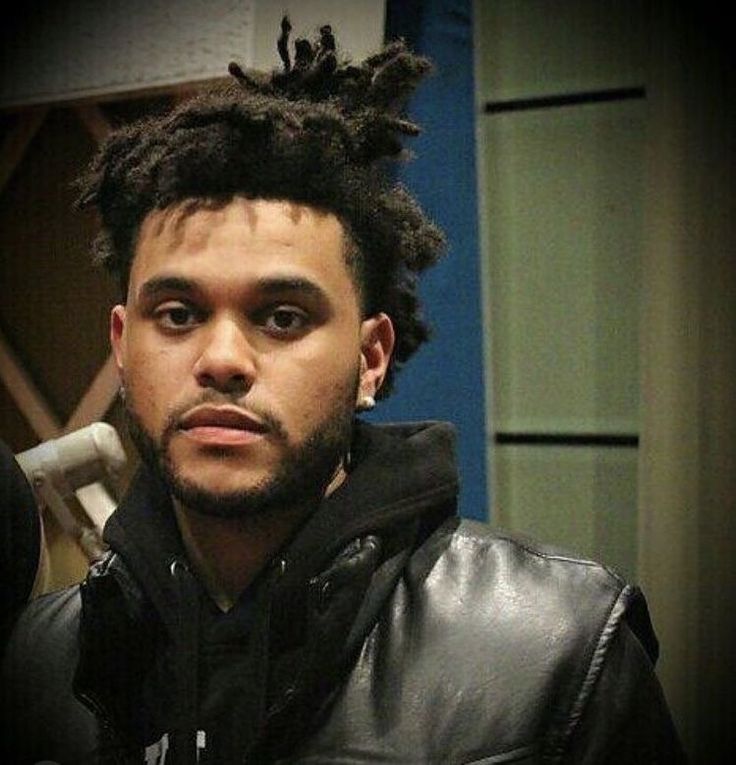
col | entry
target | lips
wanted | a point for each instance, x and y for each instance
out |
(226, 425)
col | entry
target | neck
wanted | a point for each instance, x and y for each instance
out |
(228, 553)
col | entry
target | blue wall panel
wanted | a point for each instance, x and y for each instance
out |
(445, 380)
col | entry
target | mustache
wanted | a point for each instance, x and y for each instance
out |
(273, 425)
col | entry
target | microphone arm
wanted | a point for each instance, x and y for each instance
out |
(74, 464)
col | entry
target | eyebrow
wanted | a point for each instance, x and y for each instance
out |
(280, 284)
(272, 285)
(158, 285)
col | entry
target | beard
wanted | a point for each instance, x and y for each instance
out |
(301, 477)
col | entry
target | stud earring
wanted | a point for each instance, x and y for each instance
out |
(366, 404)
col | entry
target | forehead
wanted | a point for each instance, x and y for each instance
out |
(241, 237)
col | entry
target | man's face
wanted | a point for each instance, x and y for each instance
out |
(243, 350)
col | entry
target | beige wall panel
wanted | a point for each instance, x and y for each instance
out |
(582, 498)
(543, 47)
(563, 229)
(81, 48)
(73, 49)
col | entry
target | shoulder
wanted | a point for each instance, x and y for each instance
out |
(545, 594)
(505, 568)
(477, 589)
(483, 620)
(542, 592)
(545, 618)
(469, 535)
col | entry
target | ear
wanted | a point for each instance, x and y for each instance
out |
(117, 331)
(377, 339)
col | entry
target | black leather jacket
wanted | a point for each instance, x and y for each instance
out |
(386, 632)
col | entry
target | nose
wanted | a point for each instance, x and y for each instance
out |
(227, 360)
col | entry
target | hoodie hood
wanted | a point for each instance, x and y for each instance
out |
(398, 472)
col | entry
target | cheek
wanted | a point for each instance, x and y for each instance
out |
(318, 391)
(317, 369)
(153, 380)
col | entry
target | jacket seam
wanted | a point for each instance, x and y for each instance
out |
(608, 630)
(550, 556)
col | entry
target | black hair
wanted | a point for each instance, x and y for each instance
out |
(318, 132)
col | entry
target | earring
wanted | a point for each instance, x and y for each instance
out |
(121, 392)
(366, 404)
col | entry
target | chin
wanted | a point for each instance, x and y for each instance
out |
(219, 500)
(223, 481)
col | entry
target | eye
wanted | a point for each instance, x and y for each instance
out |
(176, 316)
(284, 321)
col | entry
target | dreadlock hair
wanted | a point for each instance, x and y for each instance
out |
(317, 132)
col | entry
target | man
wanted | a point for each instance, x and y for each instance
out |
(20, 538)
(286, 583)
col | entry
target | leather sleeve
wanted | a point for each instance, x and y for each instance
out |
(626, 720)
